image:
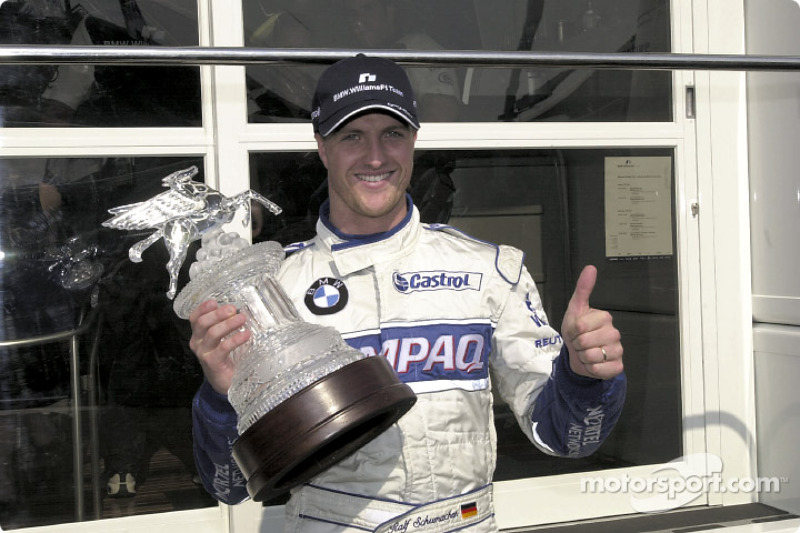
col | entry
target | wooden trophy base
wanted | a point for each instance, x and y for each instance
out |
(320, 425)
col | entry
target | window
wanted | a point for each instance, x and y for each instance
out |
(533, 175)
(99, 95)
(471, 94)
(79, 315)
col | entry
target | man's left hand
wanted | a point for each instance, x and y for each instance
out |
(593, 342)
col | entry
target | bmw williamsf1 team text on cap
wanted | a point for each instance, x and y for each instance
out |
(359, 83)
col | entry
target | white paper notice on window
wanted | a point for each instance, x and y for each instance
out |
(638, 207)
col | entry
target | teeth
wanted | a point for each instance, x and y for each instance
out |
(373, 178)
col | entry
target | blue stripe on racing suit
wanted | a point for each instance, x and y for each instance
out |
(574, 414)
(214, 432)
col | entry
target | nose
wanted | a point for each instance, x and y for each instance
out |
(375, 153)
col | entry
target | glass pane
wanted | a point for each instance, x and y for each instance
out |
(72, 299)
(555, 206)
(99, 95)
(283, 93)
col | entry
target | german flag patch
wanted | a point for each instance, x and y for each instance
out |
(468, 510)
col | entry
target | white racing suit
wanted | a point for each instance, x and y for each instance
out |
(456, 318)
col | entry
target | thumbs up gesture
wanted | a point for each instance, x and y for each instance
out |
(593, 342)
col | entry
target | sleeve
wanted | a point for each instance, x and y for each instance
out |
(214, 432)
(561, 412)
(574, 414)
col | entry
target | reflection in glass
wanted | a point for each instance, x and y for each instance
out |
(99, 95)
(548, 203)
(283, 93)
(61, 272)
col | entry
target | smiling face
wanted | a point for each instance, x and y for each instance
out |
(369, 162)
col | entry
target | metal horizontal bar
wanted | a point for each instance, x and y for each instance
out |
(52, 337)
(158, 55)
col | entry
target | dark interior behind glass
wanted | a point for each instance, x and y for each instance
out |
(89, 341)
(99, 95)
(466, 94)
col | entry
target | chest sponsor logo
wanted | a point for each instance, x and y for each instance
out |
(425, 353)
(436, 280)
(326, 296)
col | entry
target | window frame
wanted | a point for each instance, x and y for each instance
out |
(713, 279)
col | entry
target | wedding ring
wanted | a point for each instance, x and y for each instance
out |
(605, 355)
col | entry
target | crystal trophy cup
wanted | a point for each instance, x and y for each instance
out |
(304, 398)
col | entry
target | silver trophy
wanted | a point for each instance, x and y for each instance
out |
(304, 398)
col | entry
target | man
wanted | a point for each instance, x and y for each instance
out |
(485, 312)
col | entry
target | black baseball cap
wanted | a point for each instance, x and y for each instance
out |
(358, 83)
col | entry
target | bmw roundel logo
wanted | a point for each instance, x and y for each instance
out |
(400, 282)
(326, 296)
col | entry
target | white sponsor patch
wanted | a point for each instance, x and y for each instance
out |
(436, 280)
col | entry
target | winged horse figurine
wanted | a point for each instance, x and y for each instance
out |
(180, 216)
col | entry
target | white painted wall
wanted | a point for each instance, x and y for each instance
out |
(773, 28)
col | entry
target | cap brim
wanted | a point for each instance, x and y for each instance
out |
(333, 122)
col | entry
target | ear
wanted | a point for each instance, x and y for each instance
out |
(321, 149)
